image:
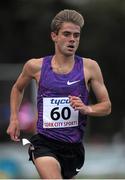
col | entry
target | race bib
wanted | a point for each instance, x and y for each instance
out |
(57, 113)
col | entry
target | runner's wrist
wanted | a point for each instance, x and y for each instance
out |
(14, 118)
(88, 110)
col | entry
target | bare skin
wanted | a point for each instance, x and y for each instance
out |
(51, 168)
(66, 44)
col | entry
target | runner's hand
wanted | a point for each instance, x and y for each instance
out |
(13, 130)
(77, 104)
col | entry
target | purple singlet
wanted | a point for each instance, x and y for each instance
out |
(56, 118)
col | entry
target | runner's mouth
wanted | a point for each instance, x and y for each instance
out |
(71, 46)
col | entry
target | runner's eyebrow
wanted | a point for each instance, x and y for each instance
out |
(68, 33)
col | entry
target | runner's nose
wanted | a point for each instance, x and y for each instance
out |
(72, 39)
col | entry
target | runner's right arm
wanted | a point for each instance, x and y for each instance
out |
(16, 99)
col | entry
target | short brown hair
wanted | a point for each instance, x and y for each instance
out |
(66, 15)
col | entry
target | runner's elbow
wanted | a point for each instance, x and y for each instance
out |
(109, 108)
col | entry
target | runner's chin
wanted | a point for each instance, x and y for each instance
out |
(70, 52)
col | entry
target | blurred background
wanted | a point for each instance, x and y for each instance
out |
(25, 34)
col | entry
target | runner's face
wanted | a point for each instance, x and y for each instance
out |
(67, 39)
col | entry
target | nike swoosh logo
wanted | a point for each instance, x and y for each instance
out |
(77, 170)
(72, 82)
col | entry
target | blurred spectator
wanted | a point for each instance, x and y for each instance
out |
(27, 116)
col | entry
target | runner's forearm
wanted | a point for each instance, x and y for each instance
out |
(99, 109)
(15, 101)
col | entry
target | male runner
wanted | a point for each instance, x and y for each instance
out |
(63, 81)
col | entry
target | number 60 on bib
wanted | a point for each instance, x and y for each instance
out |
(57, 113)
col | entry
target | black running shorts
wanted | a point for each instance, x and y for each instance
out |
(70, 155)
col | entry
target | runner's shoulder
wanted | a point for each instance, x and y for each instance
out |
(90, 63)
(33, 65)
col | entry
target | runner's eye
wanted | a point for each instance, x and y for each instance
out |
(66, 34)
(76, 35)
